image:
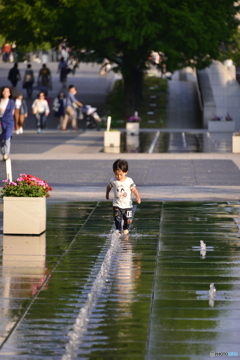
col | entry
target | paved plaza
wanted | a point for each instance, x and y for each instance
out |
(77, 169)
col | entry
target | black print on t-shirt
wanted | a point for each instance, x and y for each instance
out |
(121, 192)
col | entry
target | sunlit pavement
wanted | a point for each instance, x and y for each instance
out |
(77, 169)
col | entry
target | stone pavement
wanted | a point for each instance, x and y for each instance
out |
(183, 104)
(73, 164)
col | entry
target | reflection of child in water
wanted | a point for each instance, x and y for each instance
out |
(123, 187)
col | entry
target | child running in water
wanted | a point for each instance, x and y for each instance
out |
(123, 188)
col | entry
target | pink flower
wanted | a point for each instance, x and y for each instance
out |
(25, 183)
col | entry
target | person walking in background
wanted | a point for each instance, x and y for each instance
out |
(72, 64)
(41, 110)
(6, 117)
(62, 48)
(11, 57)
(105, 67)
(14, 75)
(63, 70)
(6, 50)
(37, 60)
(28, 80)
(72, 105)
(44, 77)
(20, 113)
(59, 105)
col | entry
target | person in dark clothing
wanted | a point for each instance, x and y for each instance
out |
(14, 75)
(63, 76)
(45, 77)
(64, 71)
(59, 105)
(28, 80)
(6, 118)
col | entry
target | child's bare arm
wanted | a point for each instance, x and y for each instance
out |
(136, 193)
(108, 189)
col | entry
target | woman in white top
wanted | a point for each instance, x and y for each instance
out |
(41, 110)
(20, 113)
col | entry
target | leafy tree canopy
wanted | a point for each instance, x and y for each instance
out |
(231, 49)
(188, 32)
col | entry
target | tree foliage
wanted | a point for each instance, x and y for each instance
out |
(188, 32)
(231, 50)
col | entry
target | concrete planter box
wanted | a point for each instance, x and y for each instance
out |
(219, 126)
(24, 215)
(132, 128)
(236, 144)
(112, 140)
(112, 150)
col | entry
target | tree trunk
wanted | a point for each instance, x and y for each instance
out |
(133, 83)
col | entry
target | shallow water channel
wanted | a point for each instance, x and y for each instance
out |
(162, 141)
(80, 292)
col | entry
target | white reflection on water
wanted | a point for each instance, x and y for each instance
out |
(99, 284)
(119, 261)
(23, 272)
(132, 143)
(128, 271)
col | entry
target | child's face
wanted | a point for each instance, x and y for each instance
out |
(120, 175)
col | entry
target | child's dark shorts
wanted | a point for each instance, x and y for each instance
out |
(122, 216)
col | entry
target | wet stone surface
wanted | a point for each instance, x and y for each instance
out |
(81, 292)
(177, 142)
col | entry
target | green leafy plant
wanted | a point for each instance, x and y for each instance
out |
(151, 86)
(26, 186)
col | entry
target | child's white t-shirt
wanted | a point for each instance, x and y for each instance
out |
(122, 192)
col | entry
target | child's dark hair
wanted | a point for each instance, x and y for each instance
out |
(120, 164)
